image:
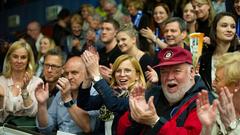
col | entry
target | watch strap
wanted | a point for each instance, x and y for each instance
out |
(69, 103)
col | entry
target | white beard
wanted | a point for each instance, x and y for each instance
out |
(179, 94)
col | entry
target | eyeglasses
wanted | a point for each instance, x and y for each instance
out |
(53, 67)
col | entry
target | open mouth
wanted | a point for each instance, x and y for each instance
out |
(171, 85)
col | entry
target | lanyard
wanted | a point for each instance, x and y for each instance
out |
(137, 19)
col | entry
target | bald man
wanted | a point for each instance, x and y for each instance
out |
(63, 112)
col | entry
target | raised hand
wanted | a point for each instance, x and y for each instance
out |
(151, 75)
(106, 72)
(91, 62)
(64, 86)
(141, 111)
(226, 107)
(147, 33)
(42, 93)
(206, 113)
(26, 80)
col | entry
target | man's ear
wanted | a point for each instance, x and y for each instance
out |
(192, 72)
(184, 34)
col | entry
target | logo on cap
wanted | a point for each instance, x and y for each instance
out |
(168, 55)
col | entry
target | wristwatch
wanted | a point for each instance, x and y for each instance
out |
(25, 94)
(69, 104)
(97, 78)
(233, 125)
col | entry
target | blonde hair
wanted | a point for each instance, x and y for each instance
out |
(138, 4)
(230, 62)
(7, 70)
(136, 65)
(129, 30)
(52, 45)
(76, 18)
(211, 10)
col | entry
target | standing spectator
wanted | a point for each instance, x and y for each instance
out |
(205, 15)
(190, 17)
(86, 10)
(112, 11)
(127, 43)
(110, 51)
(140, 20)
(73, 44)
(161, 12)
(17, 86)
(34, 31)
(46, 44)
(223, 39)
(60, 29)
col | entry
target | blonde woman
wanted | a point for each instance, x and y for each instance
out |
(17, 84)
(223, 117)
(46, 44)
(126, 72)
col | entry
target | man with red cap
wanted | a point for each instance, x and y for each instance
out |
(171, 108)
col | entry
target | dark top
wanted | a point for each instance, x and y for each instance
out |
(109, 57)
(59, 33)
(203, 27)
(145, 60)
(206, 64)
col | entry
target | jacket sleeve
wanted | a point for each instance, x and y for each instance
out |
(192, 126)
(112, 102)
(127, 126)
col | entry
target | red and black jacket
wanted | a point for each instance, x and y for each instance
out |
(180, 118)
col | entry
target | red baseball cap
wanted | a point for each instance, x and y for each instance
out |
(174, 55)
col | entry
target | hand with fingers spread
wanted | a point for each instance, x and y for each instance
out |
(151, 75)
(106, 72)
(26, 80)
(206, 113)
(42, 93)
(147, 33)
(141, 111)
(91, 62)
(64, 86)
(226, 107)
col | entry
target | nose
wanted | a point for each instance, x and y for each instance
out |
(170, 75)
(49, 68)
(69, 76)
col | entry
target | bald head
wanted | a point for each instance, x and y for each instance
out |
(75, 71)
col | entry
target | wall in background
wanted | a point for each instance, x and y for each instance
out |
(35, 11)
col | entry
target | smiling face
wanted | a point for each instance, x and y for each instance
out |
(125, 42)
(126, 74)
(160, 14)
(237, 6)
(173, 35)
(226, 29)
(202, 9)
(189, 14)
(44, 45)
(176, 81)
(76, 28)
(19, 59)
